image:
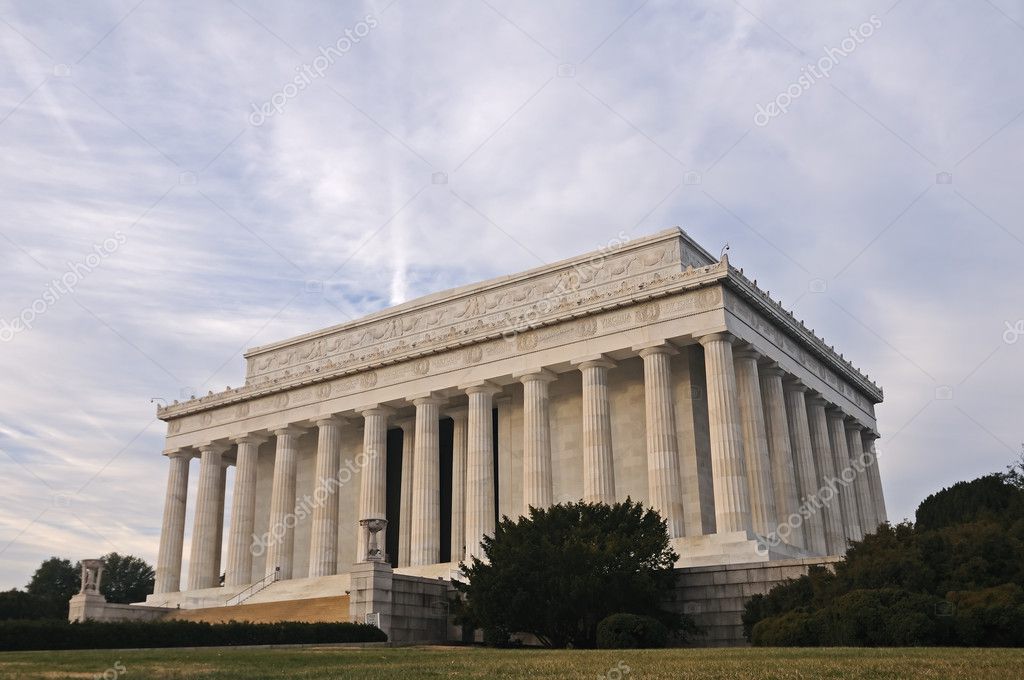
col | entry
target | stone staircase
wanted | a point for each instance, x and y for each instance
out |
(313, 610)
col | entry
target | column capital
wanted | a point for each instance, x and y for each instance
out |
(213, 447)
(724, 336)
(772, 368)
(184, 452)
(480, 386)
(852, 425)
(535, 374)
(593, 361)
(746, 352)
(407, 425)
(871, 434)
(791, 383)
(652, 348)
(375, 410)
(457, 412)
(815, 399)
(326, 421)
(292, 430)
(835, 412)
(427, 398)
(249, 438)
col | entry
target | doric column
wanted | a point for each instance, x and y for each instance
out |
(202, 568)
(281, 528)
(598, 461)
(172, 530)
(537, 481)
(218, 546)
(780, 450)
(728, 464)
(755, 442)
(426, 499)
(480, 467)
(243, 512)
(405, 503)
(828, 483)
(373, 479)
(841, 458)
(875, 478)
(459, 418)
(806, 471)
(865, 503)
(664, 486)
(323, 540)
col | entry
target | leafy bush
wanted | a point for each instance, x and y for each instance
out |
(629, 631)
(792, 629)
(38, 635)
(18, 604)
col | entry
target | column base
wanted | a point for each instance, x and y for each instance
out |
(737, 547)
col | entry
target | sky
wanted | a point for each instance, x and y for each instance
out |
(180, 181)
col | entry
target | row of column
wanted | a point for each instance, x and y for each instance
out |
(774, 448)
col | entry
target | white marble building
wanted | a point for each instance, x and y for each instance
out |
(649, 369)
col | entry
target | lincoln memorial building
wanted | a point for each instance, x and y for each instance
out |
(648, 369)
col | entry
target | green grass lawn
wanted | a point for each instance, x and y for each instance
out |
(411, 663)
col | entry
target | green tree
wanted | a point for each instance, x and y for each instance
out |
(56, 580)
(126, 579)
(21, 605)
(559, 572)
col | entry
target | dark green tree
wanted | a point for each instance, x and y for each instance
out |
(21, 605)
(56, 580)
(557, 573)
(126, 578)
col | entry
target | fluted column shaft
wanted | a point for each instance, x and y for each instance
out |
(848, 490)
(202, 571)
(875, 479)
(218, 545)
(405, 503)
(373, 480)
(480, 468)
(664, 485)
(828, 483)
(780, 450)
(537, 479)
(323, 540)
(243, 513)
(459, 418)
(598, 461)
(728, 464)
(281, 529)
(172, 530)
(426, 499)
(865, 503)
(806, 471)
(755, 443)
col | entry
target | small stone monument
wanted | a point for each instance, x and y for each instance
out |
(89, 602)
(374, 551)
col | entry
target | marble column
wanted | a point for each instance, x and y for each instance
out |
(373, 478)
(426, 498)
(598, 461)
(828, 483)
(243, 512)
(755, 442)
(875, 478)
(172, 530)
(806, 471)
(841, 458)
(537, 479)
(202, 568)
(480, 467)
(405, 503)
(460, 443)
(218, 547)
(780, 450)
(865, 503)
(281, 527)
(728, 464)
(323, 539)
(664, 485)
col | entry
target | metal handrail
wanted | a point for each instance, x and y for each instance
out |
(254, 588)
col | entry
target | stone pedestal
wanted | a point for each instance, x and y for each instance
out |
(371, 593)
(86, 607)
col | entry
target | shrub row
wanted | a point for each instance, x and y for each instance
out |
(629, 631)
(40, 635)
